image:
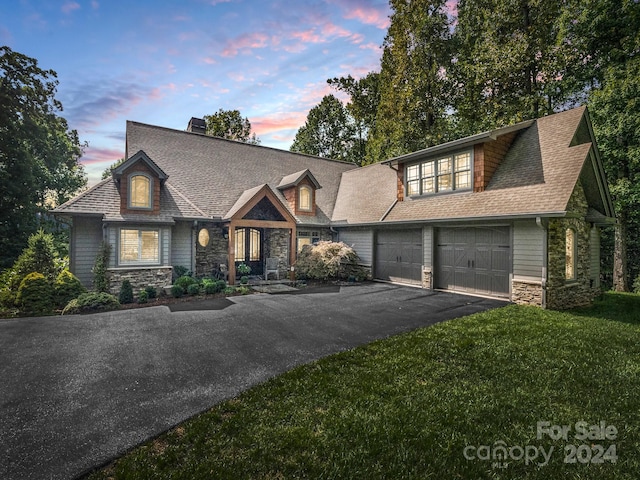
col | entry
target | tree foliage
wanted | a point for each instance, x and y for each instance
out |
(229, 124)
(329, 132)
(38, 152)
(415, 92)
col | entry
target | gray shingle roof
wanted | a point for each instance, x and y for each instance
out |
(537, 176)
(213, 172)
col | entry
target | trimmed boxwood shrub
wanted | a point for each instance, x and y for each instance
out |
(221, 285)
(185, 281)
(143, 297)
(209, 286)
(193, 289)
(151, 292)
(92, 302)
(126, 293)
(35, 294)
(67, 287)
(177, 291)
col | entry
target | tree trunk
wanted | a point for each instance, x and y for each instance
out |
(620, 256)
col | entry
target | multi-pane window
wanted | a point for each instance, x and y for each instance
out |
(452, 172)
(305, 202)
(250, 238)
(306, 237)
(570, 254)
(139, 246)
(140, 192)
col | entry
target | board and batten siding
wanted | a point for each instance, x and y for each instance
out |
(361, 239)
(528, 249)
(86, 239)
(182, 246)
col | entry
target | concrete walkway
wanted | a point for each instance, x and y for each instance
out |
(77, 391)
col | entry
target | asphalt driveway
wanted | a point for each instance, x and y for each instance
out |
(78, 391)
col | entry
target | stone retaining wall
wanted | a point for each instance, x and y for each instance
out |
(140, 278)
(527, 292)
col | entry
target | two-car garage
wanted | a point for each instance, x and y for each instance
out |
(465, 259)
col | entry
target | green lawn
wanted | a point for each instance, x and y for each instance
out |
(431, 404)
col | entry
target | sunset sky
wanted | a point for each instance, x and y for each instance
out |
(162, 62)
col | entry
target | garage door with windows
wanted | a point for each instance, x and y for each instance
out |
(399, 256)
(473, 260)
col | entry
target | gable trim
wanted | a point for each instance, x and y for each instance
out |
(239, 211)
(139, 156)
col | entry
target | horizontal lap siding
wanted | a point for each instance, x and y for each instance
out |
(362, 242)
(427, 246)
(87, 236)
(528, 244)
(181, 248)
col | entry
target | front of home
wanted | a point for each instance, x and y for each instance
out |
(512, 213)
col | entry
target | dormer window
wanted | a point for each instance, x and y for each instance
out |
(140, 188)
(442, 174)
(305, 198)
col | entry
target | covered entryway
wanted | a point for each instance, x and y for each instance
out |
(473, 260)
(249, 248)
(399, 256)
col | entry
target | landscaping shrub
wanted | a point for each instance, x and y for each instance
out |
(39, 256)
(35, 294)
(177, 291)
(636, 285)
(229, 290)
(326, 260)
(143, 297)
(152, 292)
(193, 289)
(210, 286)
(185, 281)
(242, 290)
(100, 280)
(67, 287)
(180, 271)
(220, 285)
(126, 293)
(92, 302)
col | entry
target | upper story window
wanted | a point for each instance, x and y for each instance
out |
(140, 191)
(446, 173)
(305, 198)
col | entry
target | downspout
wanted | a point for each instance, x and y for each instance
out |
(545, 259)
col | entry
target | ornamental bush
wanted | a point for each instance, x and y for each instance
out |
(326, 260)
(39, 256)
(126, 292)
(67, 287)
(143, 297)
(92, 302)
(152, 292)
(184, 282)
(35, 294)
(193, 289)
(177, 291)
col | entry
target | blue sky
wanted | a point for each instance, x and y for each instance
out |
(162, 62)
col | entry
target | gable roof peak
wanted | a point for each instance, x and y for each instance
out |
(294, 179)
(139, 156)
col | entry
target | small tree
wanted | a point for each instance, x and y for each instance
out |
(126, 293)
(39, 256)
(67, 287)
(100, 280)
(35, 294)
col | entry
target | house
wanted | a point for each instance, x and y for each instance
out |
(512, 213)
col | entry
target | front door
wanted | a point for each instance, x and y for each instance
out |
(249, 249)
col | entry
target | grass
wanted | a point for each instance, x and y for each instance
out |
(406, 407)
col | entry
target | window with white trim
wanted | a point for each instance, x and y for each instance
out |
(140, 191)
(305, 198)
(306, 237)
(443, 174)
(139, 246)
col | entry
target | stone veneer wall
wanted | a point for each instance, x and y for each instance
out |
(427, 278)
(525, 292)
(562, 293)
(277, 242)
(140, 278)
(215, 253)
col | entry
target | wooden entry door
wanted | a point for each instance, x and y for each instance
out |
(249, 249)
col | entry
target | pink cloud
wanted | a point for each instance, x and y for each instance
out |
(277, 122)
(69, 7)
(107, 156)
(371, 46)
(364, 12)
(209, 61)
(245, 43)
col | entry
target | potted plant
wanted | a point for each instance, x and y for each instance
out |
(243, 270)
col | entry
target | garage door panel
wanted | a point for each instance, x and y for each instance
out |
(399, 256)
(473, 259)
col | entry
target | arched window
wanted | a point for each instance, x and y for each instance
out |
(139, 191)
(305, 198)
(570, 254)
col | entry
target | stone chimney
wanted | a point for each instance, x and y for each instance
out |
(197, 125)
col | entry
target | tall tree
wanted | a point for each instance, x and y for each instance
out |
(329, 132)
(415, 90)
(511, 62)
(230, 124)
(364, 98)
(38, 152)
